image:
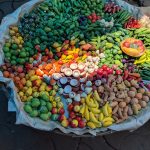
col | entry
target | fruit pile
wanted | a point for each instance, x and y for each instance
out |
(79, 63)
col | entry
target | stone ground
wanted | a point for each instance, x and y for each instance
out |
(19, 137)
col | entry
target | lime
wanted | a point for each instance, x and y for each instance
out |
(6, 49)
(7, 44)
(26, 59)
(16, 52)
(117, 62)
(13, 57)
(21, 61)
(14, 46)
(119, 52)
(8, 55)
(109, 58)
(103, 60)
(115, 51)
(117, 57)
(110, 55)
(27, 54)
(13, 62)
(8, 58)
(22, 54)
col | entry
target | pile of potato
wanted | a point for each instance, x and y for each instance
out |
(126, 98)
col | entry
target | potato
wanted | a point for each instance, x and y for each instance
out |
(138, 96)
(130, 111)
(119, 100)
(120, 113)
(134, 101)
(147, 93)
(127, 89)
(122, 104)
(139, 106)
(131, 94)
(134, 83)
(115, 109)
(143, 104)
(146, 98)
(126, 109)
(133, 89)
(113, 104)
(115, 118)
(101, 89)
(127, 83)
(141, 90)
(135, 109)
(127, 100)
(116, 115)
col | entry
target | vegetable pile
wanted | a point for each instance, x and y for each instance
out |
(79, 63)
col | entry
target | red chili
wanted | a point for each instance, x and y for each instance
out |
(126, 74)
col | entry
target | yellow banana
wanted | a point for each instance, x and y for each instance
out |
(93, 118)
(108, 119)
(90, 102)
(82, 110)
(98, 125)
(91, 125)
(86, 113)
(105, 110)
(96, 102)
(107, 123)
(101, 116)
(94, 110)
(96, 96)
(109, 110)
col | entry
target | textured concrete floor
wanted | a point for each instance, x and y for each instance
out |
(19, 137)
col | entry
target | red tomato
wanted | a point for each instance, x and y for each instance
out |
(100, 71)
(139, 43)
(105, 73)
(118, 72)
(126, 44)
(98, 17)
(110, 71)
(104, 67)
(90, 17)
(141, 48)
(93, 20)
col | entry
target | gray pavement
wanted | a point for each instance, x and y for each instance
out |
(20, 137)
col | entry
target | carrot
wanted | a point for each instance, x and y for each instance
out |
(137, 75)
(39, 72)
(48, 67)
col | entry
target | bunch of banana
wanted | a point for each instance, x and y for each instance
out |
(145, 58)
(95, 116)
(142, 34)
(105, 117)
